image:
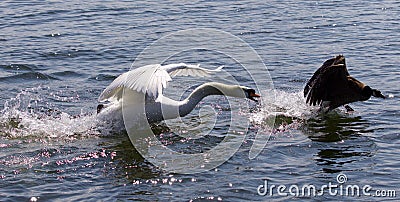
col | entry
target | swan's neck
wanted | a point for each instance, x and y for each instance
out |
(167, 108)
(212, 88)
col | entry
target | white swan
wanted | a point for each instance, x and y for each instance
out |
(149, 81)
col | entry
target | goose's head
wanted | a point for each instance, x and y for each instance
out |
(377, 93)
(368, 92)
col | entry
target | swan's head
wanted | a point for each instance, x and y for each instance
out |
(250, 93)
(215, 88)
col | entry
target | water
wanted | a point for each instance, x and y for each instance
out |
(57, 57)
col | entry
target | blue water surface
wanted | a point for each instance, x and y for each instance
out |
(57, 57)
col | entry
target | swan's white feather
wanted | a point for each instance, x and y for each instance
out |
(151, 79)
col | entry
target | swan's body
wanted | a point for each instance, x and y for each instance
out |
(143, 87)
(332, 86)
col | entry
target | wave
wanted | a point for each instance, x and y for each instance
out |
(68, 53)
(103, 77)
(16, 72)
(18, 67)
(27, 76)
(68, 74)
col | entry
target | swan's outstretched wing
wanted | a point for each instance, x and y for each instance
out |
(183, 69)
(151, 79)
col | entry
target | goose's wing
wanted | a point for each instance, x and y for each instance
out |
(324, 68)
(331, 75)
(151, 79)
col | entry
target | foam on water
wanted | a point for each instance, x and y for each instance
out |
(28, 115)
(284, 107)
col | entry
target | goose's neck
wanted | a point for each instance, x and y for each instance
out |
(212, 88)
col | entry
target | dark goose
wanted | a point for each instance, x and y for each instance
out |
(331, 86)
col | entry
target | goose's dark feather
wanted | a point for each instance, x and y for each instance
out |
(332, 82)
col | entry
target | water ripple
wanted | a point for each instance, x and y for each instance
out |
(75, 49)
(27, 76)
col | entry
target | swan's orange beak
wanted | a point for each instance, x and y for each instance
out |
(253, 95)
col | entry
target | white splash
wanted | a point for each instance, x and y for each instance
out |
(22, 124)
(28, 115)
(279, 105)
